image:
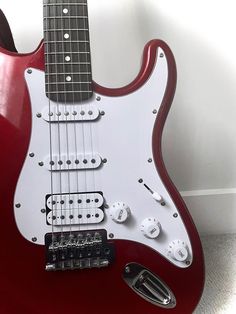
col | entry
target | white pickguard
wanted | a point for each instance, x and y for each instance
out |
(123, 136)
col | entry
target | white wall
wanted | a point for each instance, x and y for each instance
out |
(200, 135)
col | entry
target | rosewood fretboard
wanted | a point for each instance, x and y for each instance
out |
(67, 51)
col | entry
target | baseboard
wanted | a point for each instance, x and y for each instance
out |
(213, 211)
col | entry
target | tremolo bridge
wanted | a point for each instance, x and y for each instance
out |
(78, 250)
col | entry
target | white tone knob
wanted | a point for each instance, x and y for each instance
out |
(178, 250)
(120, 212)
(151, 227)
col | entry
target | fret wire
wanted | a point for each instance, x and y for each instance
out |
(63, 73)
(67, 42)
(66, 29)
(68, 63)
(70, 91)
(65, 17)
(67, 53)
(63, 4)
(67, 83)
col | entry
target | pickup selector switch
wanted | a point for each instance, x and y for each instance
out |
(120, 212)
(151, 227)
(178, 250)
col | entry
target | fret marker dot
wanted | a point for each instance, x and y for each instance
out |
(66, 36)
(65, 11)
(67, 58)
(68, 78)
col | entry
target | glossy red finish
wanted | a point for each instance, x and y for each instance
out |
(6, 39)
(25, 287)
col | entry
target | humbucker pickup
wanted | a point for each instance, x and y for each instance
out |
(78, 250)
(75, 113)
(74, 208)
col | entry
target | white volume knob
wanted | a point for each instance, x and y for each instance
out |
(151, 227)
(120, 212)
(178, 250)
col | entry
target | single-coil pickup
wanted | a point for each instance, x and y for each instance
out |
(72, 113)
(72, 162)
(74, 201)
(75, 217)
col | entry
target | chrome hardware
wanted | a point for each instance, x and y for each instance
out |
(148, 286)
(78, 250)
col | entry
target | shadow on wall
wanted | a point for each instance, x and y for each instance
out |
(199, 137)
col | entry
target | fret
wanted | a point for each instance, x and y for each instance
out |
(65, 4)
(73, 52)
(67, 78)
(65, 11)
(64, 73)
(66, 48)
(65, 17)
(61, 41)
(73, 57)
(65, 24)
(62, 83)
(65, 64)
(68, 68)
(59, 37)
(63, 29)
(76, 87)
(70, 91)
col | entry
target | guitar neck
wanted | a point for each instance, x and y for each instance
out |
(67, 51)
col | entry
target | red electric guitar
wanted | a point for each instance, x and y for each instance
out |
(90, 220)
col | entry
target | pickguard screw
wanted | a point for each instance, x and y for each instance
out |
(162, 55)
(150, 160)
(98, 98)
(111, 235)
(104, 160)
(102, 113)
(163, 204)
(43, 210)
(38, 115)
(187, 262)
(106, 206)
(140, 180)
(29, 71)
(18, 205)
(34, 239)
(154, 111)
(41, 164)
(175, 215)
(31, 154)
(127, 269)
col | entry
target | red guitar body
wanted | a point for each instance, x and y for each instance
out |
(25, 286)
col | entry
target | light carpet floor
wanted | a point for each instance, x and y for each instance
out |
(219, 296)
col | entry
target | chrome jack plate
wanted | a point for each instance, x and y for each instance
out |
(148, 286)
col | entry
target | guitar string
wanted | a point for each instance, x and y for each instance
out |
(58, 126)
(88, 62)
(71, 12)
(75, 125)
(46, 49)
(83, 171)
(66, 125)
